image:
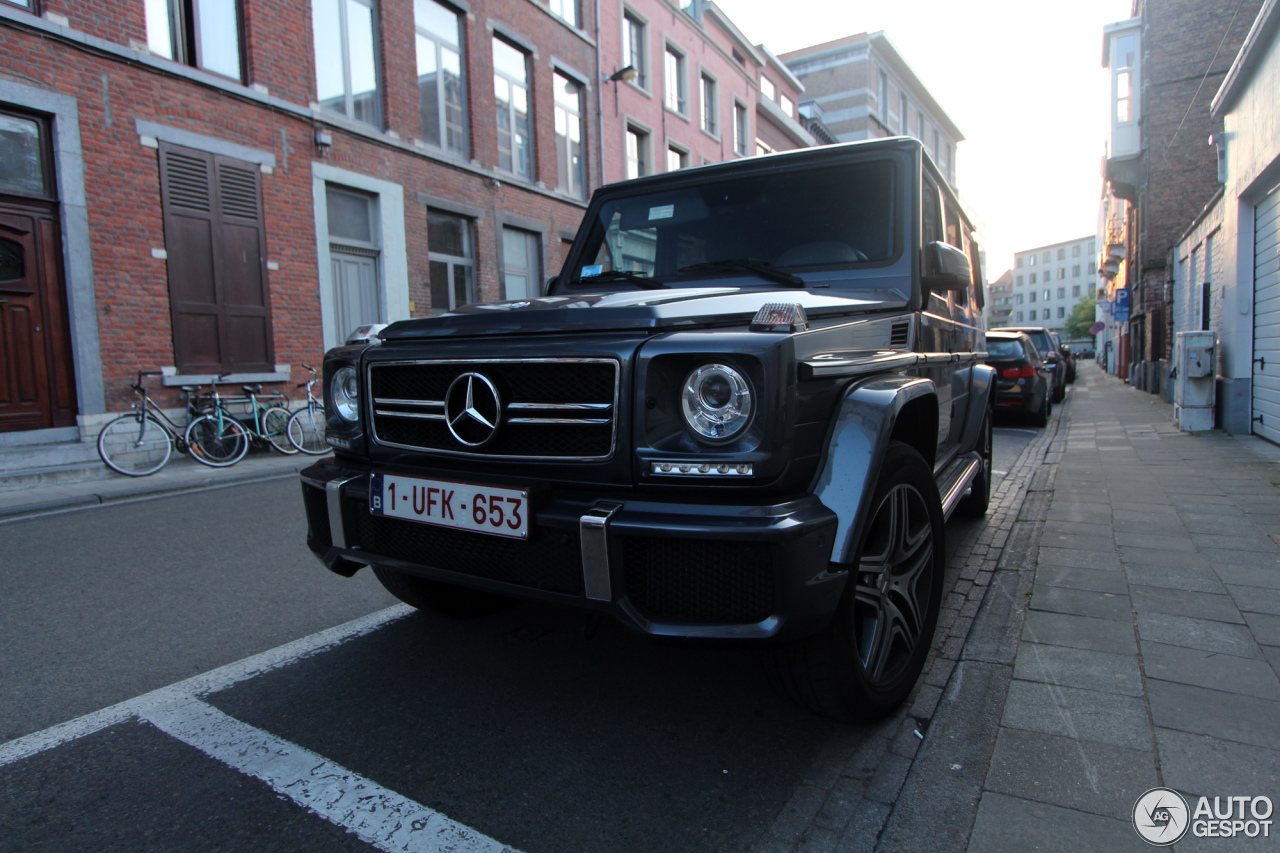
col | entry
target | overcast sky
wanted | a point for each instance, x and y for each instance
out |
(1023, 80)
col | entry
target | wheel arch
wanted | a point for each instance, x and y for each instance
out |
(873, 412)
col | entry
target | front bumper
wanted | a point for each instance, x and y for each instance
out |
(665, 568)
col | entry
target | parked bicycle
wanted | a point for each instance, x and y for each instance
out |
(140, 443)
(306, 425)
(265, 421)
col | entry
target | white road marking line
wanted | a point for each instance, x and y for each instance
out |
(198, 685)
(373, 813)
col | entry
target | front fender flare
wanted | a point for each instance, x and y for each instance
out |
(981, 390)
(859, 436)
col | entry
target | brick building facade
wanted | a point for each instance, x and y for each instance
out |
(290, 172)
(1166, 62)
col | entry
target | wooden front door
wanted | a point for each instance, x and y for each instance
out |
(37, 388)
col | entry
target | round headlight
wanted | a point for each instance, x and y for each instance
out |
(716, 401)
(344, 391)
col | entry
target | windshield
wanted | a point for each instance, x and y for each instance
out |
(1041, 340)
(785, 220)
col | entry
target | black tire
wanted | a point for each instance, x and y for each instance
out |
(306, 431)
(1041, 418)
(866, 661)
(974, 505)
(442, 599)
(134, 447)
(217, 441)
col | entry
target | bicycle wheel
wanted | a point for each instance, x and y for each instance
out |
(217, 441)
(306, 431)
(134, 446)
(275, 429)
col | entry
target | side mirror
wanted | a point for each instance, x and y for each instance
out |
(551, 283)
(945, 268)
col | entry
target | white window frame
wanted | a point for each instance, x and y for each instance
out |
(676, 100)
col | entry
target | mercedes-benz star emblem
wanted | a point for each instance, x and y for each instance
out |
(473, 409)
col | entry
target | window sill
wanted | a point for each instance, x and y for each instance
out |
(677, 114)
(636, 87)
(172, 378)
(710, 135)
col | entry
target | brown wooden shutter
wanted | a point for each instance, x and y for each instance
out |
(216, 245)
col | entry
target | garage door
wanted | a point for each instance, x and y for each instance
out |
(1266, 317)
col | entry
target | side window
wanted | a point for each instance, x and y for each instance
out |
(202, 33)
(931, 220)
(451, 260)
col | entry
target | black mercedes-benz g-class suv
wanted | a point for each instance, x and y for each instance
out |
(743, 410)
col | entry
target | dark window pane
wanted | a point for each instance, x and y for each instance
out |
(349, 215)
(364, 74)
(428, 90)
(12, 263)
(447, 235)
(326, 21)
(439, 285)
(21, 170)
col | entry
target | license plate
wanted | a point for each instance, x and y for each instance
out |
(463, 506)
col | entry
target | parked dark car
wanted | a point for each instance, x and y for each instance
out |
(1065, 349)
(1040, 336)
(1024, 381)
(743, 411)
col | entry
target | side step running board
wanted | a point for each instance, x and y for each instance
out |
(954, 481)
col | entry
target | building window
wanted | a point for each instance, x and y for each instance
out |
(1123, 65)
(1046, 294)
(1075, 251)
(1062, 312)
(904, 110)
(741, 129)
(937, 145)
(883, 106)
(768, 89)
(1091, 247)
(1019, 280)
(1075, 271)
(1018, 297)
(1062, 293)
(1033, 278)
(1048, 257)
(710, 107)
(1018, 263)
(441, 95)
(920, 126)
(676, 159)
(521, 267)
(1032, 296)
(1062, 273)
(202, 33)
(1062, 254)
(951, 163)
(675, 92)
(1032, 260)
(569, 143)
(637, 153)
(346, 63)
(218, 291)
(450, 260)
(1075, 290)
(1019, 316)
(25, 166)
(566, 10)
(633, 48)
(787, 106)
(511, 93)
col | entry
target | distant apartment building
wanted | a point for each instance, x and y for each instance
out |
(999, 305)
(684, 87)
(865, 90)
(1048, 281)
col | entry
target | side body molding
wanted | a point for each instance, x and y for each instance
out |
(859, 436)
(982, 382)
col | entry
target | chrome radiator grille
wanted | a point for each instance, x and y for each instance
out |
(547, 408)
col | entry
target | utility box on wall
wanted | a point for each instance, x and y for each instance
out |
(1195, 385)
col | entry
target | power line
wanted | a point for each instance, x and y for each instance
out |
(1212, 62)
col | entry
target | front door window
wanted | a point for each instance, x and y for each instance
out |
(23, 163)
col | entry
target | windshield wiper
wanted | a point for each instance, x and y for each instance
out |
(760, 268)
(613, 275)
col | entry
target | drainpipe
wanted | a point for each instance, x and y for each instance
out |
(599, 99)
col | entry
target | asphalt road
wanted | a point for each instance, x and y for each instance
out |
(515, 724)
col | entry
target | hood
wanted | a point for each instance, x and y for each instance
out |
(647, 310)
